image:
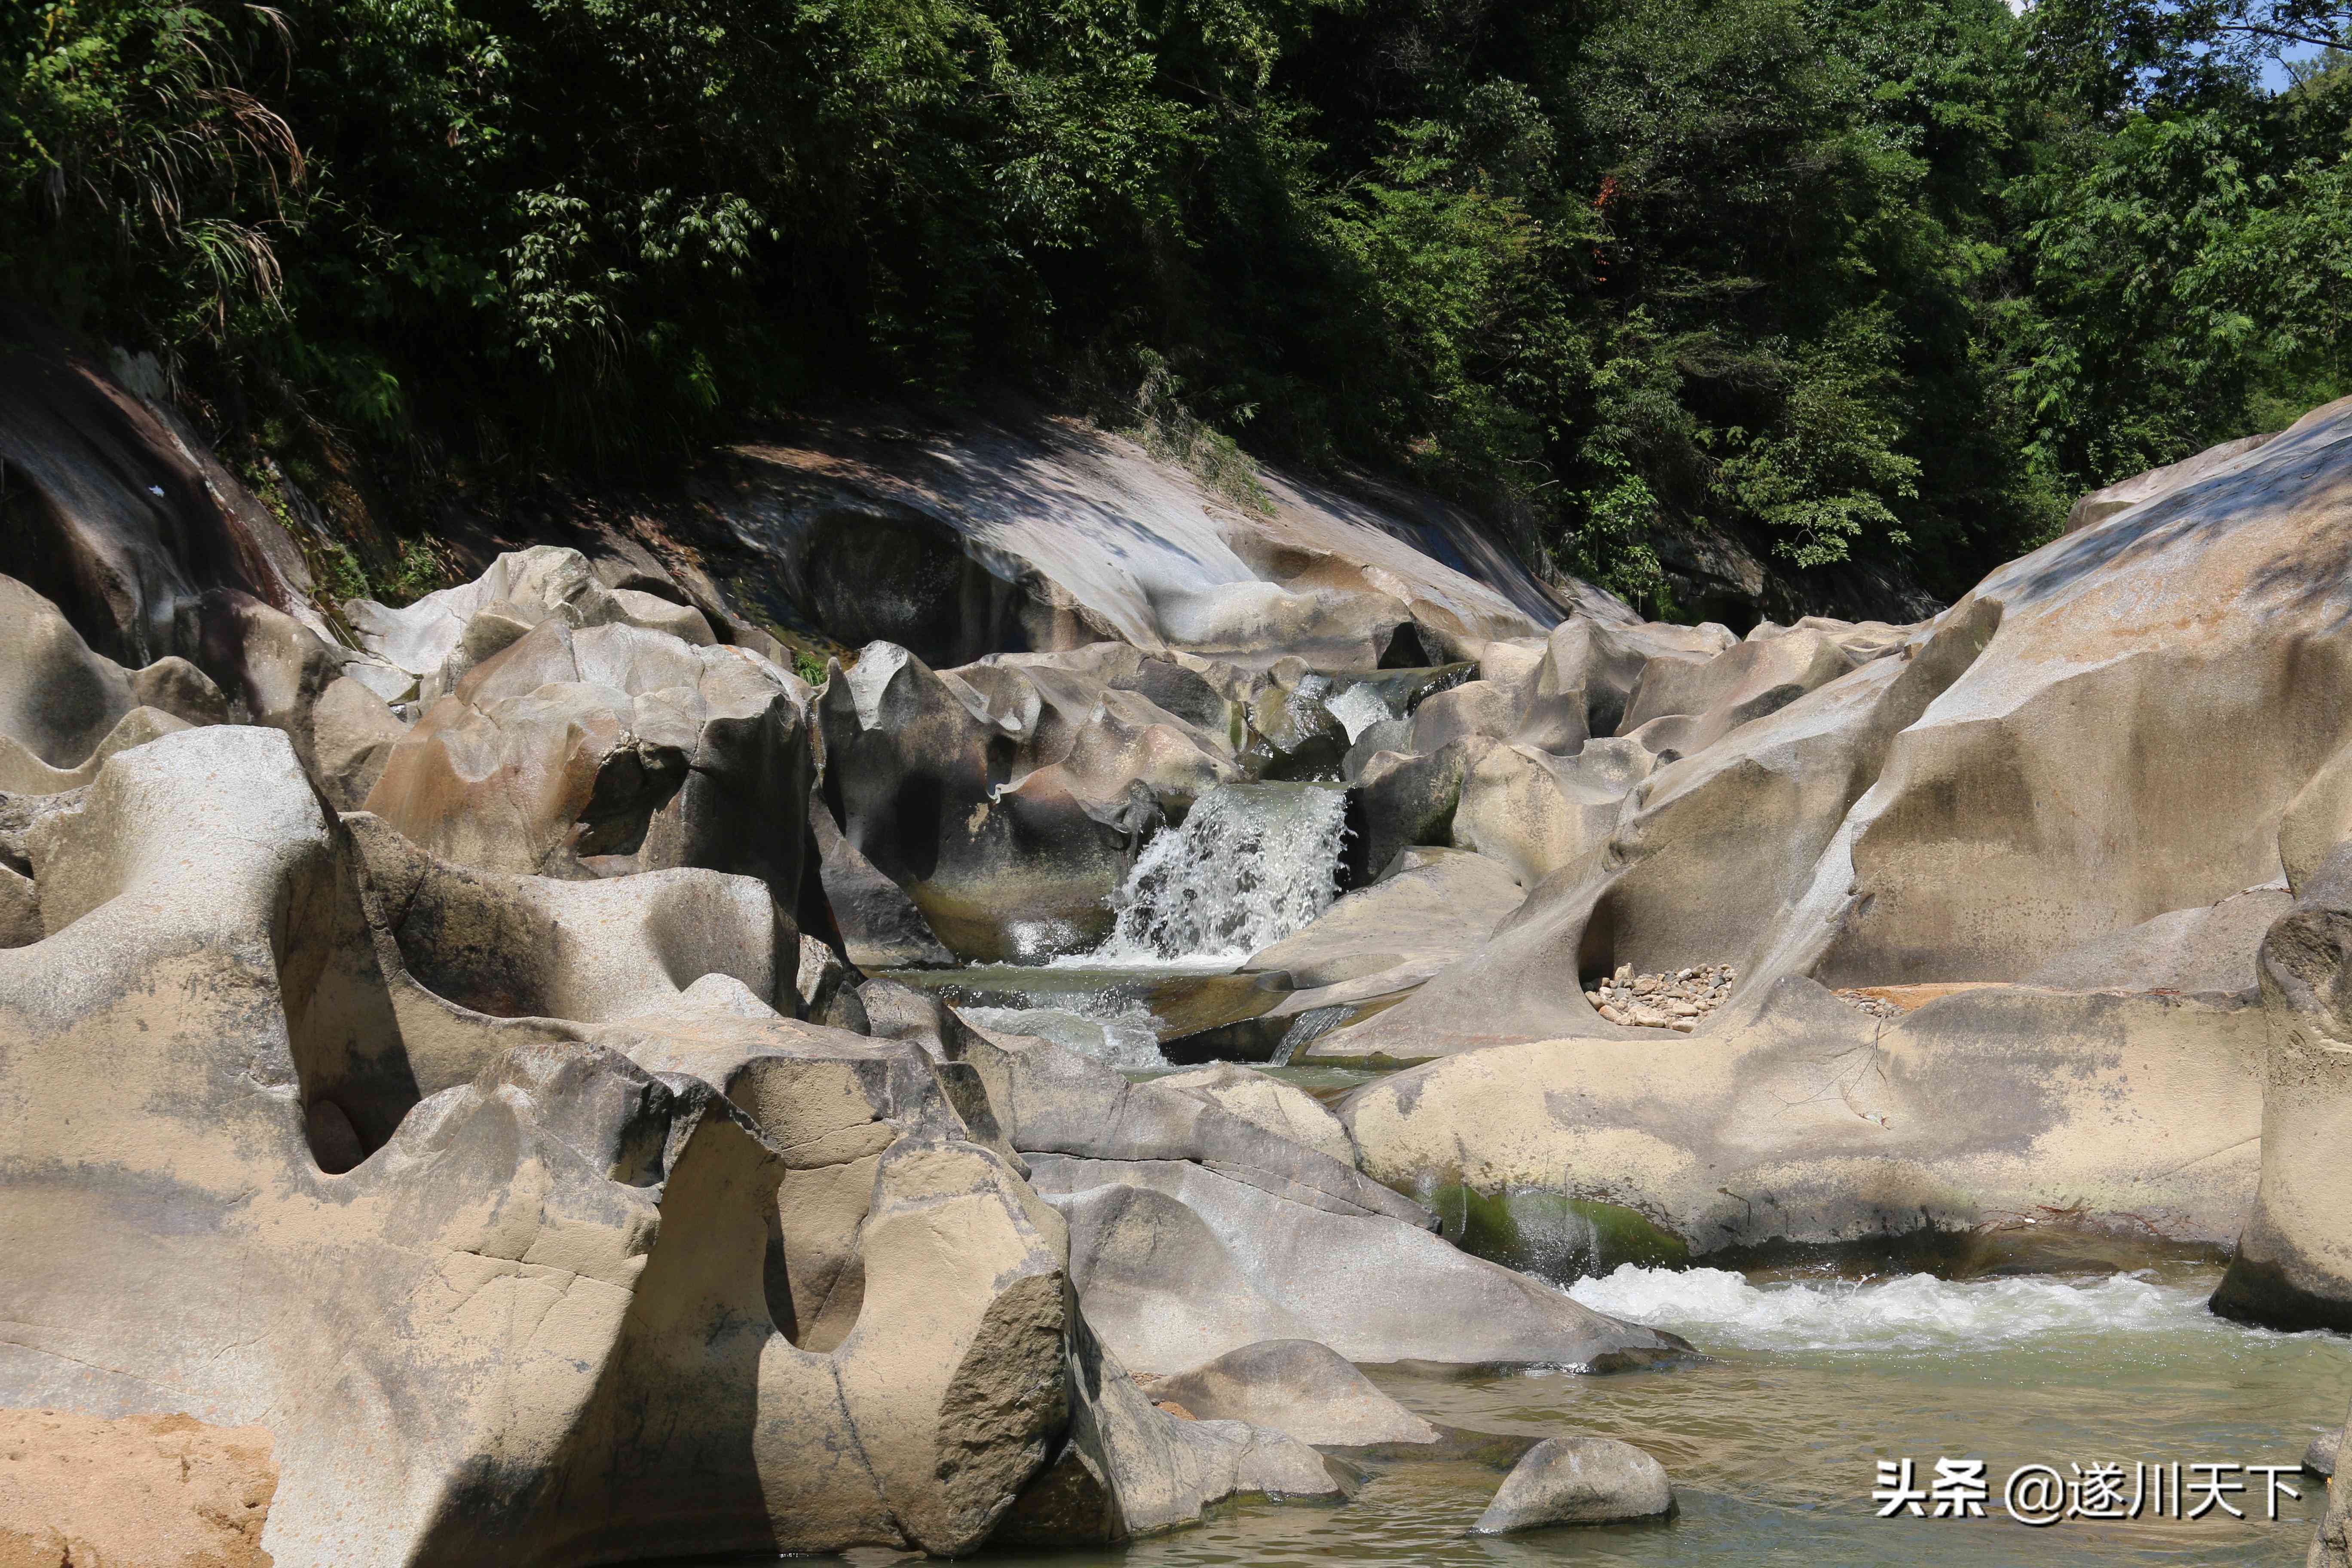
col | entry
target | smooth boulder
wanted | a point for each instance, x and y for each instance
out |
(1577, 1480)
(1298, 1386)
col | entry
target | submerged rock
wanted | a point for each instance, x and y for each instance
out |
(1577, 1480)
(1297, 1386)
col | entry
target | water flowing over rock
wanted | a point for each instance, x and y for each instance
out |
(454, 1055)
(1251, 865)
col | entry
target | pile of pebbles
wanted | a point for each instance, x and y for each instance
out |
(1681, 1000)
(1876, 1006)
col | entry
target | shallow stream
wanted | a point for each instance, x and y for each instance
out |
(1808, 1380)
(1772, 1441)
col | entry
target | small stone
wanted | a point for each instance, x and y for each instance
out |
(1615, 1016)
(1624, 976)
(1577, 1480)
(1681, 1009)
(1593, 997)
(1643, 986)
(2319, 1459)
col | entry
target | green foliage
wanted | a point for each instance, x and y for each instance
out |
(1879, 279)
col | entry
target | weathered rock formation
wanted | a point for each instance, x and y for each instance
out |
(451, 1322)
(979, 539)
(610, 749)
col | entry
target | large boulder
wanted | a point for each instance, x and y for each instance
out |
(976, 538)
(66, 707)
(2063, 788)
(1129, 1468)
(2211, 948)
(2101, 504)
(2292, 1268)
(1177, 1263)
(1811, 1121)
(117, 512)
(434, 641)
(609, 749)
(1428, 907)
(1577, 1480)
(1283, 1109)
(1009, 798)
(552, 1309)
(1707, 854)
(2331, 1543)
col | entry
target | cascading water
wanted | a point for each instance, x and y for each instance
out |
(1359, 707)
(1252, 864)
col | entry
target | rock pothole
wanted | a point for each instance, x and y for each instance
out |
(1679, 999)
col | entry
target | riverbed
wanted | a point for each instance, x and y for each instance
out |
(1774, 1438)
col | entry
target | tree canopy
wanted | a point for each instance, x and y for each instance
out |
(1891, 279)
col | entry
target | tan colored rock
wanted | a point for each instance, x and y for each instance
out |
(2292, 1268)
(1678, 708)
(2317, 820)
(1177, 1263)
(2100, 505)
(1577, 1480)
(2063, 788)
(1709, 853)
(143, 1491)
(1428, 907)
(558, 1305)
(1536, 813)
(1283, 1109)
(1130, 1468)
(2210, 948)
(977, 536)
(443, 636)
(609, 749)
(1297, 1386)
(65, 708)
(1808, 1121)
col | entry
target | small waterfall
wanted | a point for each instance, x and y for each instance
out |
(1252, 864)
(1359, 707)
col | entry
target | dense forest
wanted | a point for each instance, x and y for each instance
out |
(1888, 279)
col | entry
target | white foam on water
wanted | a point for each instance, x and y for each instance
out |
(1252, 864)
(1358, 709)
(1916, 1311)
(1117, 1034)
